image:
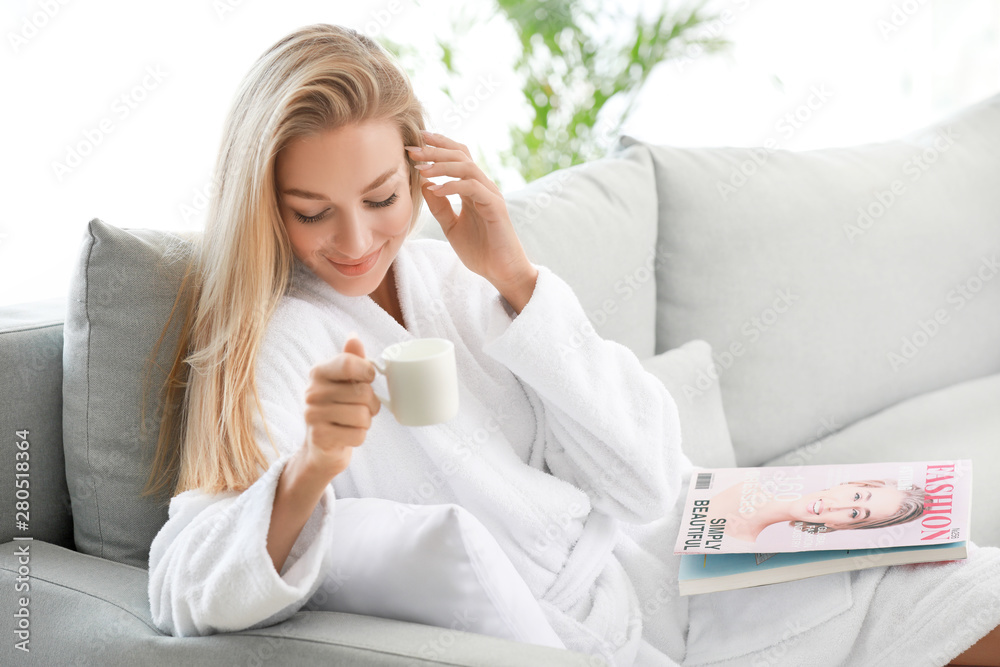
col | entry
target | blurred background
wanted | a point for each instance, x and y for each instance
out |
(114, 109)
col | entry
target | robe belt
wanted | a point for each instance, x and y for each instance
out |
(585, 562)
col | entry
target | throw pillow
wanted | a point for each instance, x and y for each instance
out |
(690, 376)
(120, 296)
(431, 564)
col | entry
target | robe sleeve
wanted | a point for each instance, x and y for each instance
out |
(611, 428)
(209, 569)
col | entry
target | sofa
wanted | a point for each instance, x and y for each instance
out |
(825, 306)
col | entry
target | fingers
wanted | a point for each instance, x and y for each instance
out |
(440, 207)
(348, 415)
(438, 154)
(433, 140)
(441, 168)
(353, 393)
(457, 169)
(442, 156)
(354, 345)
(346, 436)
(347, 367)
(486, 199)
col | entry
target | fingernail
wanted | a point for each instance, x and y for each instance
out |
(422, 166)
(415, 149)
(353, 334)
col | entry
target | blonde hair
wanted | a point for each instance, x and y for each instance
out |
(318, 78)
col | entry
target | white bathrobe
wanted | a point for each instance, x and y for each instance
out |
(566, 449)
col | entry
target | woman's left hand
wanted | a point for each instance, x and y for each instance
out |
(482, 233)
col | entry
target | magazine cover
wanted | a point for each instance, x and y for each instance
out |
(826, 507)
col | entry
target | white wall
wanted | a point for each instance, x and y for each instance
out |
(145, 87)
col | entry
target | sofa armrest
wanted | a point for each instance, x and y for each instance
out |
(31, 377)
(81, 605)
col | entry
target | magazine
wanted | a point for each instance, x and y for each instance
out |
(723, 572)
(755, 526)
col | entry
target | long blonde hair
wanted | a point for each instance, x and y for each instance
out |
(318, 78)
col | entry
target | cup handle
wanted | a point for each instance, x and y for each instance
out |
(381, 367)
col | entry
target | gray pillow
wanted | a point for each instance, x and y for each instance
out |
(833, 283)
(594, 225)
(120, 296)
(690, 376)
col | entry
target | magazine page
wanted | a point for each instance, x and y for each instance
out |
(826, 507)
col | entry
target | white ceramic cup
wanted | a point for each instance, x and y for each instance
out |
(422, 381)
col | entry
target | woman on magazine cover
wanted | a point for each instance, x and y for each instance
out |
(278, 439)
(857, 505)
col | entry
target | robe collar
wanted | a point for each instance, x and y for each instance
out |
(363, 307)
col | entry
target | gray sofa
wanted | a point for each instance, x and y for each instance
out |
(848, 296)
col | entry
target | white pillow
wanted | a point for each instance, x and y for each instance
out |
(431, 564)
(689, 374)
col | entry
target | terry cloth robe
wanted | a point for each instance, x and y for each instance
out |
(568, 451)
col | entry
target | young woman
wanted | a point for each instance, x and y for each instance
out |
(864, 504)
(565, 449)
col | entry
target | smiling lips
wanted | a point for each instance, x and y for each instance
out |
(357, 269)
(816, 507)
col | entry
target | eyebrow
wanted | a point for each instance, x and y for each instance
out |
(379, 180)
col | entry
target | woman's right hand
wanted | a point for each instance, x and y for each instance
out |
(340, 404)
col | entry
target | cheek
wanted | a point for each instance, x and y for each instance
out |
(305, 240)
(298, 235)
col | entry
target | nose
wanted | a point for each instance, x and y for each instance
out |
(352, 239)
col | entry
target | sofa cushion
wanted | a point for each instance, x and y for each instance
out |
(87, 610)
(594, 224)
(690, 376)
(957, 422)
(120, 297)
(834, 282)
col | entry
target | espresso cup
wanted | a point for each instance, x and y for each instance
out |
(422, 381)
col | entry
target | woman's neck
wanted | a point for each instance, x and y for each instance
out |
(752, 523)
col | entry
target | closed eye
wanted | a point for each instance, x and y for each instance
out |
(312, 218)
(322, 214)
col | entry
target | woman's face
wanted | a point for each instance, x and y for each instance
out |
(848, 505)
(344, 197)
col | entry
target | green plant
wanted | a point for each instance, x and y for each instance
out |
(573, 58)
(571, 71)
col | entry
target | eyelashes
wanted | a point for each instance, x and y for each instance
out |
(373, 204)
(385, 202)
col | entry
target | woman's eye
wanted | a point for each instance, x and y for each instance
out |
(854, 514)
(306, 219)
(311, 218)
(385, 202)
(857, 496)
